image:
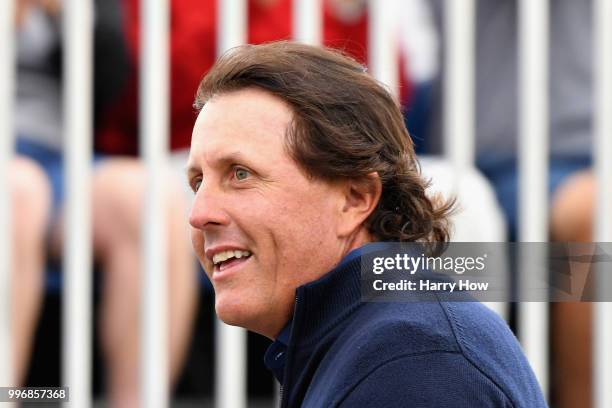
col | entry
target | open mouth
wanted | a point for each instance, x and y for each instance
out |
(227, 259)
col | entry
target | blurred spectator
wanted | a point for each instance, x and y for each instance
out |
(193, 51)
(571, 184)
(118, 195)
(419, 42)
(346, 27)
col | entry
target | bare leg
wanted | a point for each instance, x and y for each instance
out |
(31, 201)
(571, 221)
(118, 202)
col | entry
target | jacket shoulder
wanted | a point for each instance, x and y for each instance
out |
(437, 379)
(488, 343)
(405, 341)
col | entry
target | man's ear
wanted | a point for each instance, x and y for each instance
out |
(360, 199)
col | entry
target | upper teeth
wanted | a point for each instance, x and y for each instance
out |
(225, 255)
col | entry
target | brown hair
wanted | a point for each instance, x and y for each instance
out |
(345, 125)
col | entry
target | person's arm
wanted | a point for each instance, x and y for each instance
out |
(440, 379)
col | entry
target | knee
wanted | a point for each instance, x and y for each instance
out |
(30, 196)
(119, 194)
(117, 198)
(572, 209)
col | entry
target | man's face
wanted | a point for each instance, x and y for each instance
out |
(255, 205)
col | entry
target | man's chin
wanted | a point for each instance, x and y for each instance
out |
(229, 320)
(232, 314)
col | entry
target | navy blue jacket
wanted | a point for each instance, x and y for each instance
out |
(342, 352)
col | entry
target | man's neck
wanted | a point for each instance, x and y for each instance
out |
(357, 240)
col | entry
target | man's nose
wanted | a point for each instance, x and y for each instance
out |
(207, 209)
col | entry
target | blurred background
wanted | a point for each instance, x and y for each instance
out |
(458, 70)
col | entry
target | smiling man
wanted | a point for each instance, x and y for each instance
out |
(300, 163)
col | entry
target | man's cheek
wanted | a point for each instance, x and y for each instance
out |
(197, 243)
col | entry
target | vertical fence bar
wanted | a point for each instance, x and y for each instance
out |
(602, 149)
(459, 95)
(230, 341)
(459, 90)
(154, 108)
(533, 31)
(232, 24)
(383, 43)
(7, 78)
(307, 21)
(78, 125)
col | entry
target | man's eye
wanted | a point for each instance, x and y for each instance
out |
(241, 174)
(196, 185)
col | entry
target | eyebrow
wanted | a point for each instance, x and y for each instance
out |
(218, 161)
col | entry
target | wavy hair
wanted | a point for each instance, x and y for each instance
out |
(346, 125)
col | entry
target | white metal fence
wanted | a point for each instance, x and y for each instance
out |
(533, 168)
(230, 372)
(7, 75)
(602, 146)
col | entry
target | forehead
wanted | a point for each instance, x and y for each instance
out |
(249, 120)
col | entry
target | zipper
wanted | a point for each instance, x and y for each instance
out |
(282, 387)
